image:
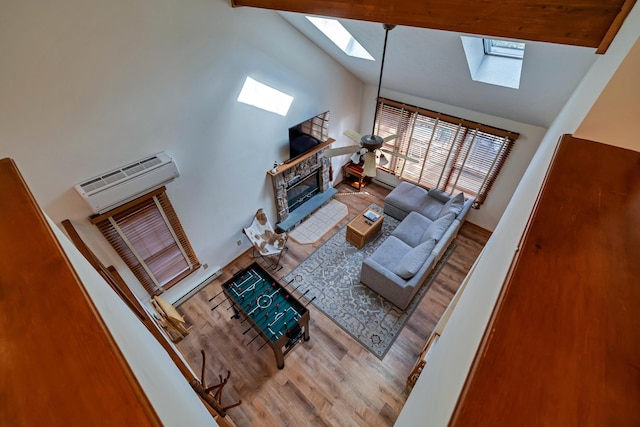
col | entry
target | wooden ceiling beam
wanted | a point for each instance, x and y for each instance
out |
(615, 26)
(589, 23)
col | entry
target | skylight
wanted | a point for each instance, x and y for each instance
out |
(264, 97)
(506, 48)
(496, 62)
(340, 37)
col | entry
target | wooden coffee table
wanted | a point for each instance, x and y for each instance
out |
(361, 230)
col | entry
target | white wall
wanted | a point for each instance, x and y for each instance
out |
(434, 397)
(88, 86)
(613, 119)
(525, 147)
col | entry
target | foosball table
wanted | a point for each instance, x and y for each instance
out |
(271, 310)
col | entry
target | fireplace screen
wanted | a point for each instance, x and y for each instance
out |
(303, 190)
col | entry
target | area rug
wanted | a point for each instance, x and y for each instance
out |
(331, 278)
(320, 222)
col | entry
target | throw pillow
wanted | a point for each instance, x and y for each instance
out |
(454, 205)
(411, 262)
(438, 227)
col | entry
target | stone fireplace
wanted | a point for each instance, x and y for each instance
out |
(302, 190)
(301, 186)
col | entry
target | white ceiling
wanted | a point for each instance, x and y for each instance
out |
(431, 64)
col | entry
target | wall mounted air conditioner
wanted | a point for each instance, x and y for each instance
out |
(114, 188)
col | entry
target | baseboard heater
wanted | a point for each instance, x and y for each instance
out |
(187, 293)
(383, 183)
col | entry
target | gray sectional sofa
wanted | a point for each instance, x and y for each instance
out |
(430, 220)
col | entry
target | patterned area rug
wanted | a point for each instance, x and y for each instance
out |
(332, 277)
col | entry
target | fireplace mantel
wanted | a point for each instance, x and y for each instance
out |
(286, 166)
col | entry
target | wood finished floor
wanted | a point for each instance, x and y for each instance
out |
(330, 380)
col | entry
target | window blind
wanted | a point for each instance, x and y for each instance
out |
(454, 154)
(148, 236)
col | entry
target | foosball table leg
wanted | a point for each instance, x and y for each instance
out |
(279, 359)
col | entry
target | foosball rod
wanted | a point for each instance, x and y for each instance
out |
(292, 280)
(309, 302)
(213, 297)
(217, 305)
(253, 339)
(288, 283)
(305, 292)
(296, 288)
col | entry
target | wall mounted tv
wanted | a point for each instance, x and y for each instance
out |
(305, 136)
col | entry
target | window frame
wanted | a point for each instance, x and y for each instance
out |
(453, 153)
(151, 230)
(504, 51)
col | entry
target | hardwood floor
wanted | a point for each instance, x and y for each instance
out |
(330, 380)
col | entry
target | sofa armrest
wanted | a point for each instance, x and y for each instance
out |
(446, 239)
(378, 275)
(465, 209)
(389, 285)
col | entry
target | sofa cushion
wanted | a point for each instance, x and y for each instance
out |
(390, 252)
(406, 196)
(411, 262)
(430, 208)
(454, 205)
(438, 227)
(411, 229)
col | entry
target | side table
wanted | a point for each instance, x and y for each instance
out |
(356, 170)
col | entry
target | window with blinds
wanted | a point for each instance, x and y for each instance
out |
(453, 154)
(148, 236)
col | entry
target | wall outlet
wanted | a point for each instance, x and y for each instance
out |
(205, 265)
(239, 242)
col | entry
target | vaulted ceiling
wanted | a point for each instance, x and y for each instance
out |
(426, 59)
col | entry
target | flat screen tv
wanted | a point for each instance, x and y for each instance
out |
(305, 136)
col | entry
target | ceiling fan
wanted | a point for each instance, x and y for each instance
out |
(370, 145)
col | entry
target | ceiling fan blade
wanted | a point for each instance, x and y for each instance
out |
(402, 156)
(389, 138)
(349, 149)
(352, 134)
(370, 164)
